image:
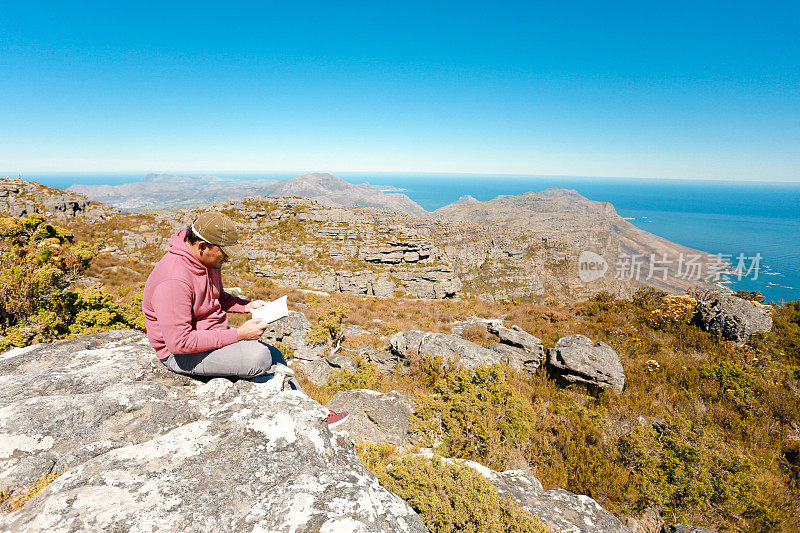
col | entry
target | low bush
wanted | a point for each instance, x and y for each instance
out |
(447, 497)
(38, 264)
(364, 377)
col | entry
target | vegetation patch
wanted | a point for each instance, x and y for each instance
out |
(39, 264)
(447, 497)
(13, 500)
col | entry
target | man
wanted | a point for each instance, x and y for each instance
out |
(184, 308)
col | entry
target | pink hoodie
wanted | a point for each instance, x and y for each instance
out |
(184, 304)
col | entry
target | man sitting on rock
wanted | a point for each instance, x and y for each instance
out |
(184, 308)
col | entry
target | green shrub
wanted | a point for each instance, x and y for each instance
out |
(364, 377)
(328, 328)
(714, 469)
(753, 296)
(448, 497)
(38, 262)
(477, 415)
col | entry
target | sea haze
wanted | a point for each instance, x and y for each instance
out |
(727, 217)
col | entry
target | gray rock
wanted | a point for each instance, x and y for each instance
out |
(20, 198)
(318, 371)
(680, 528)
(375, 417)
(564, 511)
(147, 449)
(734, 318)
(291, 331)
(576, 359)
(450, 347)
(519, 485)
(382, 288)
(460, 326)
(522, 350)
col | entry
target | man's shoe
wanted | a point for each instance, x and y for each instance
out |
(334, 418)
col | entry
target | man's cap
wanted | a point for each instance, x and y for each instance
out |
(216, 228)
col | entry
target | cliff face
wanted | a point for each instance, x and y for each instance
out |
(19, 197)
(549, 245)
(535, 243)
(140, 449)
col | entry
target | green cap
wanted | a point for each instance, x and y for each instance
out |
(216, 228)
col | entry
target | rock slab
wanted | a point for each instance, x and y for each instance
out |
(565, 511)
(149, 450)
(521, 349)
(375, 417)
(452, 348)
(577, 359)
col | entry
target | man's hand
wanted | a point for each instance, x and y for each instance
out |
(251, 330)
(253, 305)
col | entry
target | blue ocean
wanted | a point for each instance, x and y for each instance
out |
(720, 217)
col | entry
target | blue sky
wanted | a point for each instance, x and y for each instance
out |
(642, 89)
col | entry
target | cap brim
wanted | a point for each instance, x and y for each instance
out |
(234, 251)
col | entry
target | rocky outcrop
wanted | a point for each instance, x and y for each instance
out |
(394, 252)
(430, 283)
(19, 197)
(734, 318)
(576, 359)
(520, 349)
(291, 331)
(375, 417)
(150, 450)
(452, 348)
(319, 370)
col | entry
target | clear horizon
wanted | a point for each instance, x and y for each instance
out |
(409, 173)
(674, 91)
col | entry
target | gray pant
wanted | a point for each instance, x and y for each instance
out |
(243, 359)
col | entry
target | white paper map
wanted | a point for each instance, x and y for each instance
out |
(271, 311)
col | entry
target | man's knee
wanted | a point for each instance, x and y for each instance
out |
(275, 354)
(256, 358)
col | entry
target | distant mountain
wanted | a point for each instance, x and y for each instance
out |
(466, 200)
(333, 190)
(567, 224)
(165, 191)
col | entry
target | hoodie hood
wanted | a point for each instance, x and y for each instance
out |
(178, 246)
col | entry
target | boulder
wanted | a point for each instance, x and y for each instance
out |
(734, 318)
(460, 326)
(290, 331)
(451, 347)
(521, 349)
(576, 359)
(650, 521)
(149, 450)
(375, 417)
(318, 371)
